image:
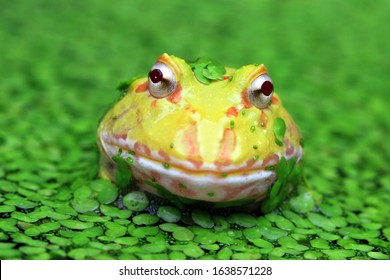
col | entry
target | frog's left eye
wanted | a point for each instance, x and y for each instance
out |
(161, 80)
(260, 91)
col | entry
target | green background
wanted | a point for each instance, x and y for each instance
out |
(60, 62)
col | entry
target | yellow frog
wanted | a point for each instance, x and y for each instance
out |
(200, 132)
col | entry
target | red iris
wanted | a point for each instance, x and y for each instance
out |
(156, 76)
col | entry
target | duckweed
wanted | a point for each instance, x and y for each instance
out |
(169, 214)
(202, 218)
(136, 201)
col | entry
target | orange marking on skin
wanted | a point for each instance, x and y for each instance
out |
(154, 103)
(155, 175)
(191, 142)
(231, 193)
(226, 77)
(270, 160)
(185, 192)
(175, 97)
(142, 149)
(164, 155)
(227, 145)
(142, 87)
(263, 119)
(190, 109)
(120, 135)
(196, 162)
(249, 163)
(274, 100)
(290, 148)
(244, 99)
(232, 112)
(254, 193)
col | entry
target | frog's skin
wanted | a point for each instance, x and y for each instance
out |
(202, 142)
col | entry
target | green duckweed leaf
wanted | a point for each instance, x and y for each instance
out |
(205, 70)
(169, 214)
(108, 195)
(193, 251)
(272, 233)
(48, 226)
(176, 255)
(123, 176)
(224, 254)
(83, 205)
(126, 240)
(7, 208)
(60, 241)
(321, 221)
(252, 233)
(136, 201)
(339, 254)
(319, 243)
(243, 220)
(8, 226)
(206, 238)
(312, 255)
(302, 203)
(74, 224)
(378, 256)
(261, 243)
(82, 192)
(115, 212)
(80, 239)
(183, 234)
(115, 230)
(168, 227)
(145, 219)
(279, 131)
(83, 253)
(93, 231)
(202, 218)
(279, 189)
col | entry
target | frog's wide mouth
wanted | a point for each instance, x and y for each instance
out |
(156, 171)
(110, 145)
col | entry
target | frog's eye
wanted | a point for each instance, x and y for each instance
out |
(260, 91)
(161, 80)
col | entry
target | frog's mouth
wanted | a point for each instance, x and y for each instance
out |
(154, 170)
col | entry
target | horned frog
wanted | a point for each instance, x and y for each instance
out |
(200, 132)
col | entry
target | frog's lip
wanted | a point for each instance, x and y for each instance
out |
(111, 144)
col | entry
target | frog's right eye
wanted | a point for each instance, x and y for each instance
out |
(260, 91)
(161, 80)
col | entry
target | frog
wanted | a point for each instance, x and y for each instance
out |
(201, 132)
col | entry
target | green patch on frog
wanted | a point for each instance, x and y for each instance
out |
(279, 131)
(123, 176)
(206, 70)
(278, 191)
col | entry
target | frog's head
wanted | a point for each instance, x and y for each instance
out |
(201, 131)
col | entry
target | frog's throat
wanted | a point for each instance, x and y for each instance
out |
(210, 185)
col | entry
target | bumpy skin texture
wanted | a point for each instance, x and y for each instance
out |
(202, 142)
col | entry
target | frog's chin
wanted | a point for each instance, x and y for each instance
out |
(156, 176)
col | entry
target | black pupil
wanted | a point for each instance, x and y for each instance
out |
(156, 75)
(267, 88)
